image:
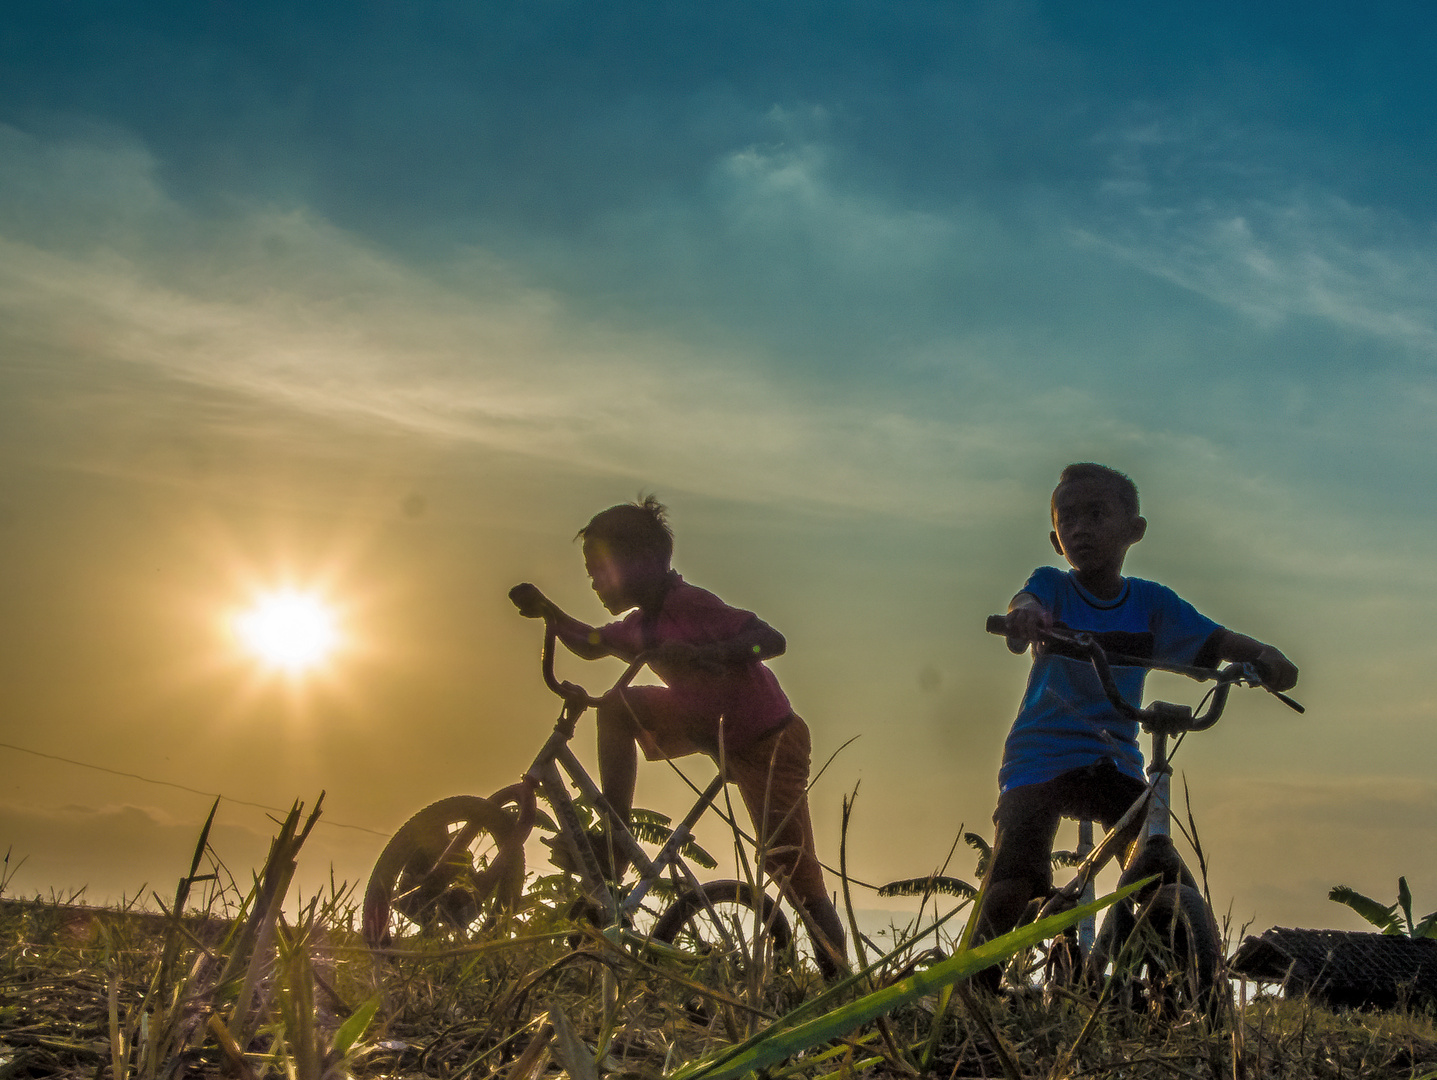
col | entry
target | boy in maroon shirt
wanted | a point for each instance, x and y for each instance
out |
(719, 698)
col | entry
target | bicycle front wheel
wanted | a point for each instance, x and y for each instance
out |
(1168, 947)
(732, 926)
(454, 865)
(1188, 972)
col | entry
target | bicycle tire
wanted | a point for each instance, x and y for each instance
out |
(413, 887)
(1194, 943)
(1179, 965)
(688, 924)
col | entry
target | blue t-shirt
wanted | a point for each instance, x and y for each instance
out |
(1066, 721)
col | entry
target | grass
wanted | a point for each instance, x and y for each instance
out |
(242, 985)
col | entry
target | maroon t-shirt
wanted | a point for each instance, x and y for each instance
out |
(746, 696)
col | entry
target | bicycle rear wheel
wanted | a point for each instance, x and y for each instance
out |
(454, 865)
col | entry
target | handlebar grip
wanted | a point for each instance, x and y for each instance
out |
(1294, 706)
(997, 624)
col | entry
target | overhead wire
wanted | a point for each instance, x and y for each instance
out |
(180, 787)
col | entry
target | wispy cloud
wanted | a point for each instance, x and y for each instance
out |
(284, 307)
(128, 850)
(1215, 215)
(787, 195)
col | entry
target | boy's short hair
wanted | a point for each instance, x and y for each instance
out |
(636, 530)
(1121, 483)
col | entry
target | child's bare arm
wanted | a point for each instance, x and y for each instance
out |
(757, 641)
(1278, 672)
(578, 637)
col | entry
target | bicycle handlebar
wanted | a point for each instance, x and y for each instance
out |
(1160, 715)
(572, 693)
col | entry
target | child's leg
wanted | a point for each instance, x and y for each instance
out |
(638, 716)
(618, 754)
(772, 778)
(1107, 798)
(1026, 823)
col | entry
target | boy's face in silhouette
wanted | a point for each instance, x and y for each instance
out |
(619, 582)
(1092, 528)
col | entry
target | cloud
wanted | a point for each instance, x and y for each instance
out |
(1215, 214)
(787, 196)
(286, 308)
(113, 851)
(129, 850)
(281, 306)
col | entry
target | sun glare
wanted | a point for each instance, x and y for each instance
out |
(291, 630)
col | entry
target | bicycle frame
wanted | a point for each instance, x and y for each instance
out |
(546, 778)
(428, 872)
(1161, 719)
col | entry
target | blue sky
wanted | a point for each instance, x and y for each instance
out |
(395, 296)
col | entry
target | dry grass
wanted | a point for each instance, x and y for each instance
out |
(239, 988)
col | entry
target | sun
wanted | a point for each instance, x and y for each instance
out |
(288, 629)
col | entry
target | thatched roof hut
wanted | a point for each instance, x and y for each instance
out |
(1342, 968)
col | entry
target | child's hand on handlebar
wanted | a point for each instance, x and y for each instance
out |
(532, 604)
(1277, 671)
(1027, 622)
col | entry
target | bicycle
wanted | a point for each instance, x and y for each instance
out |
(1166, 931)
(458, 864)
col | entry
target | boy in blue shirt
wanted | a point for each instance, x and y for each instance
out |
(1069, 754)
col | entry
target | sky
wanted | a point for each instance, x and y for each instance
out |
(385, 300)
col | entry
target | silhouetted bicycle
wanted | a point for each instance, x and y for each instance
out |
(1165, 935)
(458, 864)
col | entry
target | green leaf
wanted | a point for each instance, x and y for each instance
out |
(927, 886)
(651, 827)
(779, 1042)
(1381, 916)
(984, 850)
(1427, 928)
(650, 832)
(350, 1031)
(1404, 898)
(698, 856)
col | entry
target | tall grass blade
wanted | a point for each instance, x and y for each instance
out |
(1000, 1046)
(570, 1050)
(119, 1053)
(352, 1029)
(535, 1056)
(779, 1041)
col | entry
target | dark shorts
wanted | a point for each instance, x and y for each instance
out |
(1027, 818)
